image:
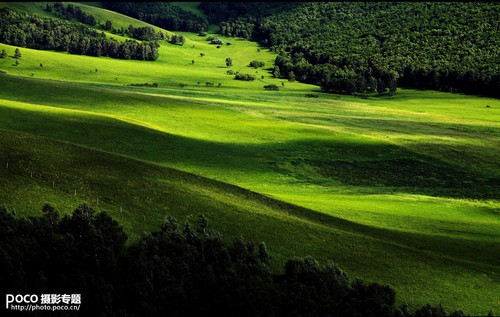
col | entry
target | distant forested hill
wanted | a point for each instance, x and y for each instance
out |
(161, 14)
(28, 30)
(352, 47)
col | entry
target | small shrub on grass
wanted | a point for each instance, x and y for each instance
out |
(245, 77)
(272, 87)
(154, 85)
(257, 64)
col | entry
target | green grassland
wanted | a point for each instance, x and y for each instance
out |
(400, 190)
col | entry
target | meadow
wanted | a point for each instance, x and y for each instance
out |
(395, 189)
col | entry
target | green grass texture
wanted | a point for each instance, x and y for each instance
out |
(395, 189)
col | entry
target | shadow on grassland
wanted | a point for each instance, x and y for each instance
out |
(106, 172)
(359, 164)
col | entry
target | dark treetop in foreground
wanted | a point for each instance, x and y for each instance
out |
(180, 270)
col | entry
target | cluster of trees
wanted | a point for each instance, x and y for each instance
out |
(177, 39)
(246, 77)
(162, 14)
(30, 31)
(144, 33)
(256, 64)
(180, 270)
(272, 87)
(71, 12)
(376, 46)
(154, 85)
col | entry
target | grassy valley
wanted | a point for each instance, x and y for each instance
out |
(396, 189)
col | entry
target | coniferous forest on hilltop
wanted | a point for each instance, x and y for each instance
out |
(319, 159)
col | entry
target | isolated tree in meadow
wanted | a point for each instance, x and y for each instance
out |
(177, 39)
(229, 62)
(17, 62)
(3, 54)
(41, 65)
(17, 53)
(202, 54)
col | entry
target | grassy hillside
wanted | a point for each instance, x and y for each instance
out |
(383, 186)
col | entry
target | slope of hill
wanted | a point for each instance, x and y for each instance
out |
(382, 186)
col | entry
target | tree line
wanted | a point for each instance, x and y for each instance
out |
(70, 12)
(161, 14)
(179, 270)
(24, 30)
(377, 46)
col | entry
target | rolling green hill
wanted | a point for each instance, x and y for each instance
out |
(383, 186)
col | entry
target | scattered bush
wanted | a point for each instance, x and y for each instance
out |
(246, 77)
(177, 39)
(17, 53)
(257, 64)
(145, 85)
(230, 72)
(272, 87)
(216, 41)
